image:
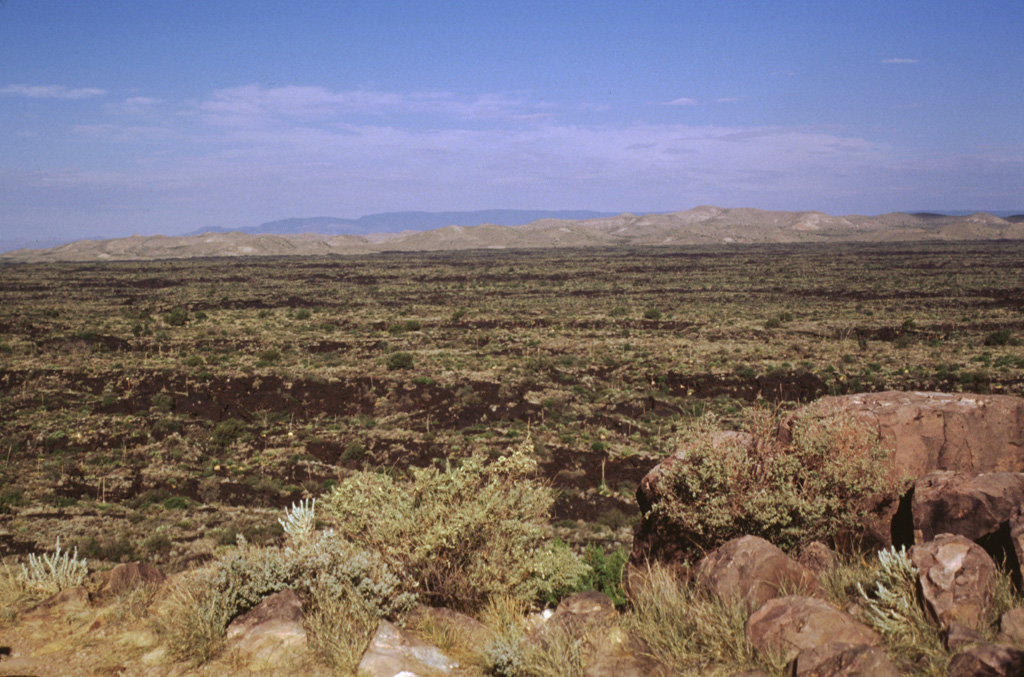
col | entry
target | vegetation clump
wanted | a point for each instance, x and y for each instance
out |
(461, 535)
(825, 480)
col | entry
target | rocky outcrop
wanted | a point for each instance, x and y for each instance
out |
(974, 505)
(957, 578)
(928, 431)
(393, 651)
(753, 570)
(790, 625)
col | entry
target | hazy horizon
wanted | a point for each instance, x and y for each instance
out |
(124, 118)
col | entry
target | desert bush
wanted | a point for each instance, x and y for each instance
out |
(463, 534)
(827, 479)
(1000, 337)
(329, 572)
(605, 574)
(178, 317)
(399, 360)
(226, 432)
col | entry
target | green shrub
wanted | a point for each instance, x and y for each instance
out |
(826, 480)
(268, 356)
(605, 573)
(302, 314)
(178, 317)
(462, 535)
(998, 338)
(400, 360)
(226, 432)
(652, 314)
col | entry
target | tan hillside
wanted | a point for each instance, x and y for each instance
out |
(703, 225)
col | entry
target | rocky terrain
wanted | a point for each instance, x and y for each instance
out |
(705, 225)
(963, 524)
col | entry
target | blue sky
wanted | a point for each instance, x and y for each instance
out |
(139, 116)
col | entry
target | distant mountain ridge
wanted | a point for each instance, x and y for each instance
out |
(396, 222)
(705, 225)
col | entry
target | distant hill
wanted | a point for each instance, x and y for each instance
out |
(705, 225)
(396, 222)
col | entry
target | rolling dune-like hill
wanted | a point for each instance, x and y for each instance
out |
(704, 225)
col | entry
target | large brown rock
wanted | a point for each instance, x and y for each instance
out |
(957, 580)
(974, 505)
(123, 578)
(989, 660)
(837, 659)
(928, 431)
(753, 570)
(271, 632)
(793, 624)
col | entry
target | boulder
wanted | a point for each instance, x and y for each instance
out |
(838, 659)
(753, 570)
(988, 660)
(794, 624)
(957, 637)
(1011, 627)
(818, 557)
(974, 505)
(393, 651)
(928, 431)
(124, 578)
(271, 631)
(957, 579)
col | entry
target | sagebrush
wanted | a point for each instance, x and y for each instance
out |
(463, 534)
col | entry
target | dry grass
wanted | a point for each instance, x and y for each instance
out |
(691, 631)
(340, 628)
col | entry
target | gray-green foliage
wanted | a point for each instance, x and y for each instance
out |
(47, 574)
(321, 567)
(464, 534)
(826, 479)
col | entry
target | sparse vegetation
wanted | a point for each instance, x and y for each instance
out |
(160, 409)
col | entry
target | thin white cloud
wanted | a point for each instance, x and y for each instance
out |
(52, 91)
(134, 105)
(255, 106)
(682, 101)
(728, 99)
(898, 60)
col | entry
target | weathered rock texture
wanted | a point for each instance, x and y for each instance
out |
(753, 570)
(990, 660)
(957, 578)
(794, 624)
(838, 659)
(272, 631)
(393, 651)
(974, 505)
(942, 431)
